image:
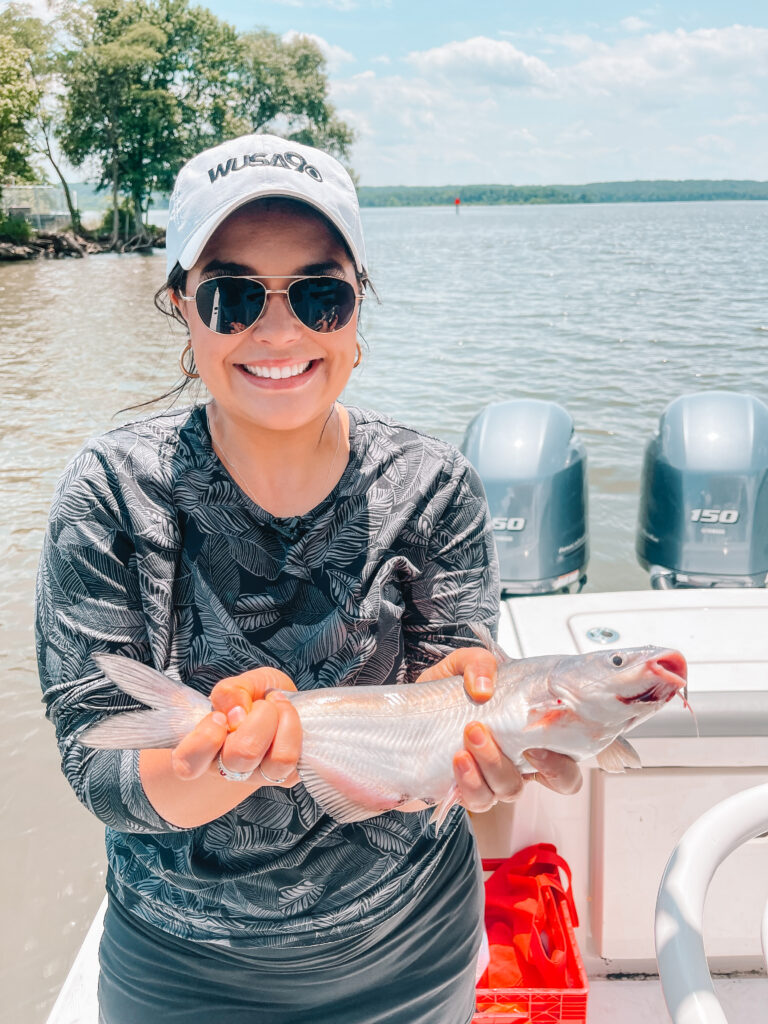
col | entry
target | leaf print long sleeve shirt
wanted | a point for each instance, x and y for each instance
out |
(154, 552)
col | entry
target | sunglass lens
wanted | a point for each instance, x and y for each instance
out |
(323, 304)
(229, 305)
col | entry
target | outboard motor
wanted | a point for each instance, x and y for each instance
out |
(534, 470)
(704, 500)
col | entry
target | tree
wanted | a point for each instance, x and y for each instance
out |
(113, 110)
(18, 97)
(38, 41)
(149, 83)
(282, 87)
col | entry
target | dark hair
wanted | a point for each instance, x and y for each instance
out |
(177, 281)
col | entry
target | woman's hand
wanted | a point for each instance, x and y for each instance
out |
(482, 772)
(249, 727)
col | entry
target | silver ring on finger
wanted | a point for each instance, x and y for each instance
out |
(229, 775)
(274, 782)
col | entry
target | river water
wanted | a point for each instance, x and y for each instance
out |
(612, 311)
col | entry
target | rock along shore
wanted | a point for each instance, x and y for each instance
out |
(58, 245)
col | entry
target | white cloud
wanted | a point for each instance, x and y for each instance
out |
(663, 104)
(634, 24)
(335, 56)
(671, 63)
(748, 119)
(484, 62)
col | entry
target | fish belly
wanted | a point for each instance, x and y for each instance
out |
(367, 751)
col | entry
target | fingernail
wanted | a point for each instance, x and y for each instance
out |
(236, 716)
(276, 695)
(476, 735)
(483, 686)
(536, 756)
(465, 765)
(219, 718)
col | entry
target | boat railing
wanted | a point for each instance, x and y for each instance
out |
(685, 977)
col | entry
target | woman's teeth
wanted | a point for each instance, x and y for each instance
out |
(276, 372)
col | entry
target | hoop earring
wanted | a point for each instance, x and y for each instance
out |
(184, 370)
(359, 355)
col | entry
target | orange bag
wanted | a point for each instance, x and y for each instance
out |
(528, 944)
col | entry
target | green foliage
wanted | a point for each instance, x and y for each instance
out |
(18, 97)
(600, 192)
(15, 230)
(149, 83)
(282, 86)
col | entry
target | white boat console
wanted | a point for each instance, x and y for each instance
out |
(619, 831)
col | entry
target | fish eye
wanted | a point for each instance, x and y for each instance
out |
(617, 660)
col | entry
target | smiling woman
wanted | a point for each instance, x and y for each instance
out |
(272, 540)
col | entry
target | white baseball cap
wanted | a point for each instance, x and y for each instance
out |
(217, 181)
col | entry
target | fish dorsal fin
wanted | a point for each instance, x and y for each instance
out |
(483, 634)
(619, 755)
(148, 685)
(356, 804)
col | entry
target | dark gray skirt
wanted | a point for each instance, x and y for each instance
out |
(416, 968)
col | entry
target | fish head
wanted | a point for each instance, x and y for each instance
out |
(620, 686)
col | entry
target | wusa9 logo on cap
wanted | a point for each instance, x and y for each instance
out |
(290, 161)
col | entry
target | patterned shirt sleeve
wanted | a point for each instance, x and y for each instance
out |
(87, 600)
(459, 584)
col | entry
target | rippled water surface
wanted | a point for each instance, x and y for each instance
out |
(612, 311)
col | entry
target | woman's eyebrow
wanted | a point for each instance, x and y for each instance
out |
(310, 269)
(322, 268)
(229, 267)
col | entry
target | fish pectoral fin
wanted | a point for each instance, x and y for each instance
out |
(440, 812)
(483, 634)
(618, 756)
(343, 798)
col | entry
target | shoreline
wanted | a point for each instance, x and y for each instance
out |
(66, 244)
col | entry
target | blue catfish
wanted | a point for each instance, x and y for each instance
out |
(370, 749)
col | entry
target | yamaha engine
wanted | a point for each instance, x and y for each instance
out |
(534, 470)
(704, 500)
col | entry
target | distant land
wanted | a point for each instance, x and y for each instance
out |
(445, 195)
(596, 192)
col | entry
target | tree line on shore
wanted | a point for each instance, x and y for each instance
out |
(131, 89)
(596, 192)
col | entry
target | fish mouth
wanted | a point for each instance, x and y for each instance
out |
(671, 673)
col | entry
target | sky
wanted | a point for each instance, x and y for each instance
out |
(443, 92)
(454, 92)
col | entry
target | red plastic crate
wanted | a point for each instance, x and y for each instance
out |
(537, 1006)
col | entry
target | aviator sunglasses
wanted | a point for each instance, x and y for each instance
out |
(230, 305)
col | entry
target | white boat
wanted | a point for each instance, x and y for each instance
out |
(618, 832)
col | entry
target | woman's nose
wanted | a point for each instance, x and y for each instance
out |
(277, 324)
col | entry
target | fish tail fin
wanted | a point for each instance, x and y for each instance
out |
(141, 730)
(146, 684)
(176, 708)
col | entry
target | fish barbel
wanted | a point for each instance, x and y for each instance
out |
(370, 749)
